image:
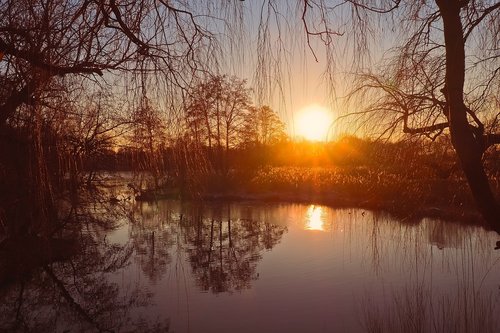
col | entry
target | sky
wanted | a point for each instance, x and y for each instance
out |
(293, 83)
(297, 81)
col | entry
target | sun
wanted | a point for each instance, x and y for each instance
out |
(313, 123)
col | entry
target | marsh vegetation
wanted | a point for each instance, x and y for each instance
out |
(157, 138)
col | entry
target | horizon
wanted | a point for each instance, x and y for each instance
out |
(249, 166)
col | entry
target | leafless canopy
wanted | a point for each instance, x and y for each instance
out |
(40, 39)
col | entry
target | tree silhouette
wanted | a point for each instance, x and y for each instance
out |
(262, 126)
(148, 138)
(444, 74)
(215, 113)
(47, 44)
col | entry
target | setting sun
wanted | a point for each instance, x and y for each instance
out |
(313, 123)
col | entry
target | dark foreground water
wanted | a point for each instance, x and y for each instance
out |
(247, 267)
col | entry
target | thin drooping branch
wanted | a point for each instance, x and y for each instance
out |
(406, 101)
(377, 10)
(324, 34)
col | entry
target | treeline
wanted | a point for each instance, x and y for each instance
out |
(414, 157)
(53, 148)
(216, 123)
(218, 140)
(215, 140)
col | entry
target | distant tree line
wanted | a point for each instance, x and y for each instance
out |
(219, 122)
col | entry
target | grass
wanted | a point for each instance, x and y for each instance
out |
(406, 195)
(407, 178)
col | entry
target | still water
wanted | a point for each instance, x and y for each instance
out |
(250, 267)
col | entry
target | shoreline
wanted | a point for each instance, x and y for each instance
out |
(448, 213)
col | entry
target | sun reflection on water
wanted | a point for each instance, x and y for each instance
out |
(314, 218)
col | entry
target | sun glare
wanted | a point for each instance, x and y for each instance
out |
(313, 122)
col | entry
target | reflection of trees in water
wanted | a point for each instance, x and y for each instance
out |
(417, 309)
(450, 279)
(223, 250)
(152, 235)
(78, 294)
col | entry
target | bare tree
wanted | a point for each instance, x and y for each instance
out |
(262, 126)
(45, 42)
(215, 114)
(148, 137)
(87, 127)
(41, 39)
(443, 76)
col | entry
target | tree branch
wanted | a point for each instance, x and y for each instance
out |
(36, 60)
(15, 99)
(425, 129)
(374, 9)
(474, 23)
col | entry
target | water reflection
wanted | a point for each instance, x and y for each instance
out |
(79, 294)
(245, 267)
(432, 277)
(315, 218)
(223, 250)
(367, 273)
(152, 235)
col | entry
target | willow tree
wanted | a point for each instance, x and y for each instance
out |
(43, 43)
(440, 74)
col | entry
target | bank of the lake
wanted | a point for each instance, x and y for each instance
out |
(407, 196)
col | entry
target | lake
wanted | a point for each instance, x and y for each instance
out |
(256, 267)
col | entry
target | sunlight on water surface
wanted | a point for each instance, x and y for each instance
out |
(250, 267)
(315, 218)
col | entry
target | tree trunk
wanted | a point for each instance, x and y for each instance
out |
(465, 141)
(12, 103)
